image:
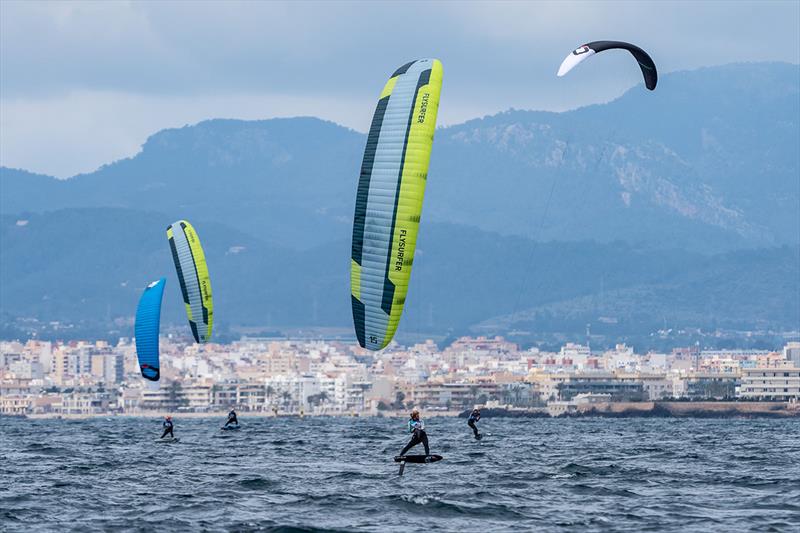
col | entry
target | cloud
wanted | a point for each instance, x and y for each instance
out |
(116, 124)
(120, 71)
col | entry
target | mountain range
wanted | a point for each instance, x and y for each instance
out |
(677, 207)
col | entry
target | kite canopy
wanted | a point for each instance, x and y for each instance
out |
(190, 263)
(148, 320)
(587, 50)
(389, 199)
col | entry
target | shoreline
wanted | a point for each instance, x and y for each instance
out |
(651, 409)
(222, 415)
(701, 409)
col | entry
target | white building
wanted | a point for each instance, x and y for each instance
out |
(577, 354)
(774, 383)
(27, 369)
(791, 352)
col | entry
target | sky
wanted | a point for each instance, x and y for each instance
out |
(83, 84)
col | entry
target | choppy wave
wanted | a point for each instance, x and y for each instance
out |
(337, 474)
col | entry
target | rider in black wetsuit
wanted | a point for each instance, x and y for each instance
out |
(232, 418)
(474, 417)
(167, 425)
(416, 427)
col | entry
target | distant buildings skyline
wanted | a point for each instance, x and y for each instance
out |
(335, 378)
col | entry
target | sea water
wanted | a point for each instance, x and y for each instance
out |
(288, 474)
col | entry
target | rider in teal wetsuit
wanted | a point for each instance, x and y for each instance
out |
(417, 428)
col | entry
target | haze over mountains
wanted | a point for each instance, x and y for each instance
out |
(679, 207)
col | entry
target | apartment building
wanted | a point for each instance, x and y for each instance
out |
(773, 383)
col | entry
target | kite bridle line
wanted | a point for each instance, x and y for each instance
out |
(608, 147)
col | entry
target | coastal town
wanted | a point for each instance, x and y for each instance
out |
(275, 377)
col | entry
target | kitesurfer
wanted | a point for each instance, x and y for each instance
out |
(167, 425)
(417, 428)
(474, 417)
(232, 418)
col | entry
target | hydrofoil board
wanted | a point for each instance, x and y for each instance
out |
(417, 458)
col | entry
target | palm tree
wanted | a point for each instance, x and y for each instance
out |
(175, 396)
(312, 400)
(286, 396)
(399, 397)
(270, 390)
(315, 400)
(473, 393)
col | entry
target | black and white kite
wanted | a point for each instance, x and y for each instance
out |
(583, 52)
